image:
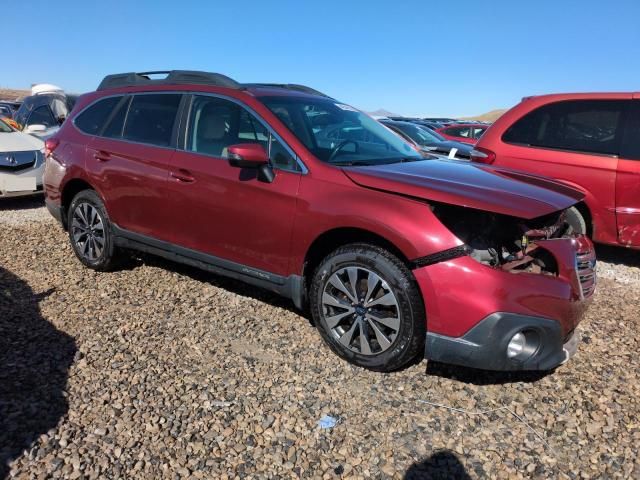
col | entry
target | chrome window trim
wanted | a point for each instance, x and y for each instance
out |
(303, 168)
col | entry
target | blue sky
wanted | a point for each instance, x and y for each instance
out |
(411, 57)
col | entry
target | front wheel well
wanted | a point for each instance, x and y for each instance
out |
(333, 239)
(71, 189)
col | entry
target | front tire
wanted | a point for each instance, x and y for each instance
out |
(90, 232)
(368, 308)
(576, 221)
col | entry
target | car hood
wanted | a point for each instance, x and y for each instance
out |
(19, 142)
(482, 187)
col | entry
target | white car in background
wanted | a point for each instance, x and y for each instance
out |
(21, 162)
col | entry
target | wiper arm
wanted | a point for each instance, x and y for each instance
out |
(351, 163)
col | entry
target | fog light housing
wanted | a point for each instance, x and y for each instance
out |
(517, 344)
(523, 345)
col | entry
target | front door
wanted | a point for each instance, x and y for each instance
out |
(228, 212)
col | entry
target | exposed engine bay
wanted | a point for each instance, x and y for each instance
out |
(505, 242)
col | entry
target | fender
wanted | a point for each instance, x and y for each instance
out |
(406, 223)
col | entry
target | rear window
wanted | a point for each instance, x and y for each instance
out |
(151, 117)
(590, 126)
(93, 119)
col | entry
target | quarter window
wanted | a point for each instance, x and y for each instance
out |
(151, 118)
(591, 126)
(216, 123)
(92, 120)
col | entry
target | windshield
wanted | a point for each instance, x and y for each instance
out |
(4, 128)
(23, 112)
(339, 134)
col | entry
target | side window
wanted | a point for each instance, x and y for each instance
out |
(215, 124)
(42, 116)
(591, 126)
(92, 120)
(151, 118)
(477, 132)
(457, 131)
(210, 125)
(115, 123)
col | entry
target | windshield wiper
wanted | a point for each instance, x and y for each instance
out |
(352, 163)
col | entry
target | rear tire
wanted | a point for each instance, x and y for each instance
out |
(91, 233)
(368, 308)
(576, 221)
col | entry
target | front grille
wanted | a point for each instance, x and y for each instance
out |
(586, 271)
(17, 161)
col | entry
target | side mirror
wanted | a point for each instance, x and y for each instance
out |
(247, 155)
(35, 128)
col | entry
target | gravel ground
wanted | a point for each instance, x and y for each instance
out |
(161, 371)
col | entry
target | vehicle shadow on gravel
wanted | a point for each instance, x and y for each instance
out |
(22, 203)
(443, 465)
(34, 363)
(233, 286)
(618, 255)
(482, 377)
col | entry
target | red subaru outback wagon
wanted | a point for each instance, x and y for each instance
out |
(590, 141)
(290, 190)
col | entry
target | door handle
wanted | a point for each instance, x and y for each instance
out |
(102, 156)
(183, 175)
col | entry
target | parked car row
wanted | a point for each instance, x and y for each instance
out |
(286, 188)
(23, 127)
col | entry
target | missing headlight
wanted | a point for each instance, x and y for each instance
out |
(502, 241)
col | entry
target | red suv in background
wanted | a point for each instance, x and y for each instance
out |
(463, 132)
(290, 190)
(590, 141)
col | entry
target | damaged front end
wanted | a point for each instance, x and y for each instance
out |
(510, 297)
(545, 245)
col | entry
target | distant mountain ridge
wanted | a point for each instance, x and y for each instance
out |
(491, 116)
(13, 94)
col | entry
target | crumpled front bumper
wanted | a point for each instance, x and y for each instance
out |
(473, 310)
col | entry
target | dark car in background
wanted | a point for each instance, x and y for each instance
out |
(429, 140)
(418, 121)
(8, 109)
(42, 114)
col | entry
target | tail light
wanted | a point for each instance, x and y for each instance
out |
(50, 145)
(482, 155)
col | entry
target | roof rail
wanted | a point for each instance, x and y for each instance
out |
(288, 86)
(172, 77)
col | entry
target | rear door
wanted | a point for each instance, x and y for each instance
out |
(129, 160)
(228, 212)
(628, 180)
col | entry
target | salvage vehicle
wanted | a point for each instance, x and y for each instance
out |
(463, 132)
(393, 255)
(21, 162)
(429, 140)
(590, 141)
